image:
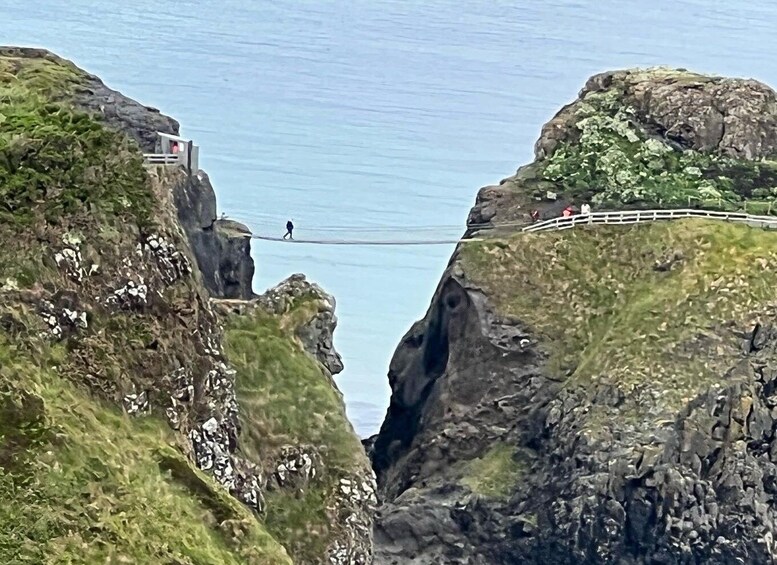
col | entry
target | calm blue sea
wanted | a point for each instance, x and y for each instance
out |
(375, 119)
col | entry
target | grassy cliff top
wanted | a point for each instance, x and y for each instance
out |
(658, 310)
(653, 309)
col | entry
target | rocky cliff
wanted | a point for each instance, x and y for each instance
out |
(223, 255)
(604, 394)
(146, 415)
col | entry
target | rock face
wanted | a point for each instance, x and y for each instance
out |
(601, 395)
(222, 248)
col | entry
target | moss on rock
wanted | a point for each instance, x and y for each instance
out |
(495, 474)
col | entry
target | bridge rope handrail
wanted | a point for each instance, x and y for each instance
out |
(621, 217)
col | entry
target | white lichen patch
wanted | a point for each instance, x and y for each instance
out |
(69, 259)
(219, 388)
(356, 500)
(295, 467)
(131, 294)
(181, 397)
(172, 263)
(61, 320)
(210, 442)
(136, 403)
(76, 318)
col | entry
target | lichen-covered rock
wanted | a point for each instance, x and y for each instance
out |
(296, 467)
(604, 394)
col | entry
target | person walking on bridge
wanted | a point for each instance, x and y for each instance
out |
(289, 229)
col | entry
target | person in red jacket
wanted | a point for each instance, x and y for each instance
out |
(567, 211)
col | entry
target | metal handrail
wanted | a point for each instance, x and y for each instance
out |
(641, 216)
(162, 158)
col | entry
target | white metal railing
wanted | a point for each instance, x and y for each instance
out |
(641, 216)
(162, 158)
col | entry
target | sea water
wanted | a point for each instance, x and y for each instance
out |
(375, 120)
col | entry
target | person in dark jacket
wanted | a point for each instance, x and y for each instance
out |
(289, 229)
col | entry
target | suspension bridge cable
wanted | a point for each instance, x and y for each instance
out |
(366, 241)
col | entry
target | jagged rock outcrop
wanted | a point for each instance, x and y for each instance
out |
(606, 394)
(221, 247)
(317, 332)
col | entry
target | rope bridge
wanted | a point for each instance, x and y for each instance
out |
(622, 217)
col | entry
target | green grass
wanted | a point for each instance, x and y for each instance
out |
(56, 163)
(604, 313)
(89, 485)
(301, 521)
(495, 474)
(51, 78)
(286, 399)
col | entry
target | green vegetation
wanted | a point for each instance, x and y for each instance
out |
(287, 399)
(635, 306)
(613, 161)
(301, 521)
(56, 163)
(82, 483)
(495, 474)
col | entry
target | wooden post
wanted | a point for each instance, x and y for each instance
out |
(189, 158)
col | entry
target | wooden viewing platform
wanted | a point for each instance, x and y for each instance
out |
(174, 150)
